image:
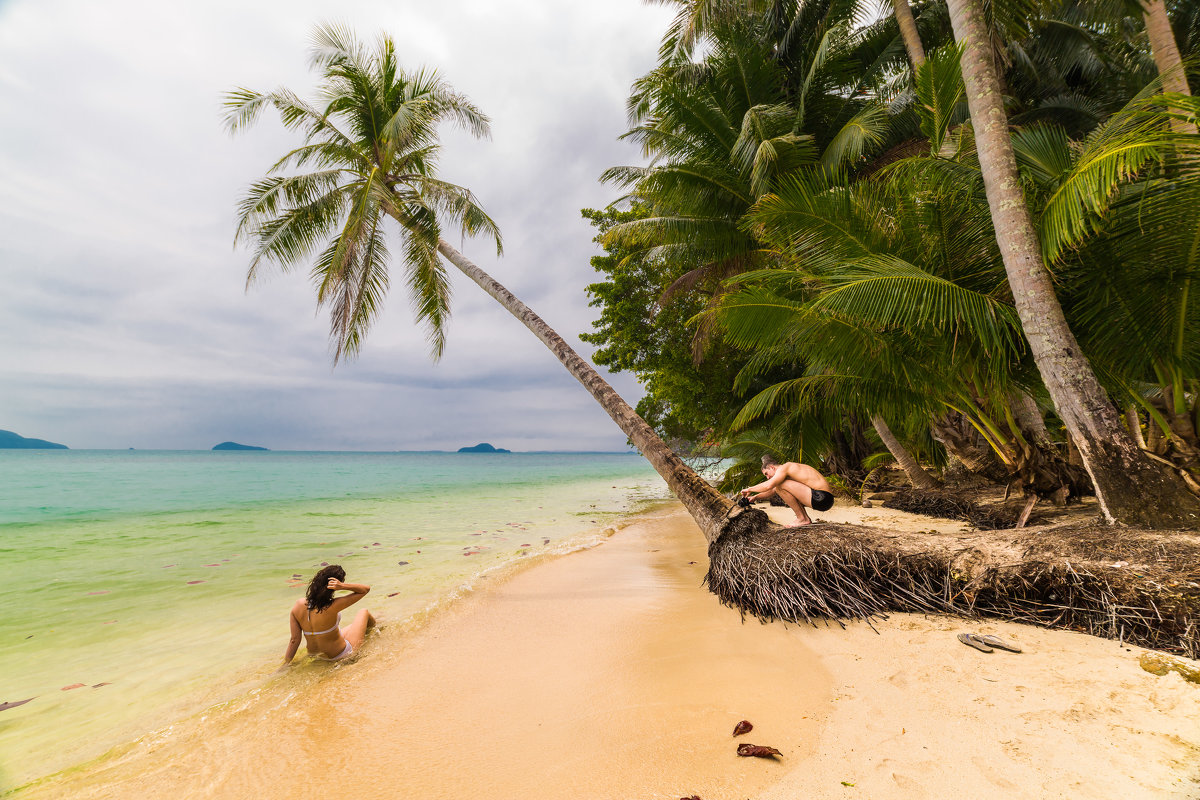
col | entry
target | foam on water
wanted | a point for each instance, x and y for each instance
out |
(160, 581)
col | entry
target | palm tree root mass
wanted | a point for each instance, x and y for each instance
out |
(1141, 587)
(948, 504)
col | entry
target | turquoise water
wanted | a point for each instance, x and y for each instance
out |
(157, 583)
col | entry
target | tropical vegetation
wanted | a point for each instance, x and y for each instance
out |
(967, 242)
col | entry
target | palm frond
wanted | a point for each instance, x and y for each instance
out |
(1112, 155)
(940, 92)
(861, 133)
(886, 291)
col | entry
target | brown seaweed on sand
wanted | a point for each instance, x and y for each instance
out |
(13, 704)
(1129, 584)
(757, 750)
(742, 727)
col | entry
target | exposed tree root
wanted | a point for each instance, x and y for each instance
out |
(954, 505)
(1134, 585)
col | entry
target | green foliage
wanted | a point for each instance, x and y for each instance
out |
(374, 141)
(940, 95)
(818, 206)
(687, 399)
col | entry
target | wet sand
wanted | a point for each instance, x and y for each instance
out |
(611, 673)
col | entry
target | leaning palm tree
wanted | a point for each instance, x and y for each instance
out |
(1122, 475)
(374, 146)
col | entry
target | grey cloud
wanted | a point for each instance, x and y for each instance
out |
(123, 320)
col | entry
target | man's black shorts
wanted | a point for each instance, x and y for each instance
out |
(821, 501)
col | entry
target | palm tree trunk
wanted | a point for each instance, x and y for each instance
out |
(1073, 457)
(1134, 420)
(917, 476)
(1156, 441)
(1123, 477)
(908, 32)
(1042, 466)
(966, 445)
(1029, 419)
(1164, 47)
(707, 506)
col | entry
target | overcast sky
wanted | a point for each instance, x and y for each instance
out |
(123, 316)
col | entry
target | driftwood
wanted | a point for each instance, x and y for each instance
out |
(1134, 585)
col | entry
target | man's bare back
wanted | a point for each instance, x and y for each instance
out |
(798, 485)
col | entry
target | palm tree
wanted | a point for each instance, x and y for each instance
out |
(894, 301)
(1122, 476)
(908, 30)
(375, 147)
(1164, 47)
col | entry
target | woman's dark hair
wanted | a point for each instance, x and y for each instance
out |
(319, 596)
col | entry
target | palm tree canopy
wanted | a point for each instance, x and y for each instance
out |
(371, 143)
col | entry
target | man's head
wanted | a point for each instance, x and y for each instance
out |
(769, 465)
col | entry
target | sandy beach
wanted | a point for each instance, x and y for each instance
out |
(611, 673)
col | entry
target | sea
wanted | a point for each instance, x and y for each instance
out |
(141, 588)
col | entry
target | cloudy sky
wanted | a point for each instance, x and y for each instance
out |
(123, 316)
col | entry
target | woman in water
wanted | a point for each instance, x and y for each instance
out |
(317, 616)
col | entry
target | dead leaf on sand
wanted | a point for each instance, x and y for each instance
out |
(757, 750)
(6, 706)
(742, 727)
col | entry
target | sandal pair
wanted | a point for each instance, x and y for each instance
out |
(987, 642)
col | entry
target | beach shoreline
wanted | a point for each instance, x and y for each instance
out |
(610, 672)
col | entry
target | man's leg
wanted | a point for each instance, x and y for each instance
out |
(794, 503)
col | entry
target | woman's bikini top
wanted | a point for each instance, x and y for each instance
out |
(318, 633)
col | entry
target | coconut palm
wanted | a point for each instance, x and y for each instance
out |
(1122, 475)
(720, 131)
(374, 144)
(908, 30)
(895, 304)
(1128, 285)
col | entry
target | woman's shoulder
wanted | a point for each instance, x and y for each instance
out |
(298, 606)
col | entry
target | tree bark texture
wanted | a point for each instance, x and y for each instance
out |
(908, 32)
(965, 444)
(917, 475)
(707, 506)
(1073, 457)
(1029, 419)
(1164, 47)
(1129, 488)
(1042, 469)
(1166, 54)
(1134, 420)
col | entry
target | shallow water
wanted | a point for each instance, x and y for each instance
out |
(157, 583)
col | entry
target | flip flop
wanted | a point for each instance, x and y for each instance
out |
(971, 640)
(998, 643)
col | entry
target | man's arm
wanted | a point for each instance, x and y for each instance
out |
(768, 487)
(759, 491)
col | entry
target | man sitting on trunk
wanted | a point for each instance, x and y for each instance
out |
(798, 485)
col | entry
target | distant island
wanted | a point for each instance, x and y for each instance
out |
(236, 446)
(13, 441)
(483, 447)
